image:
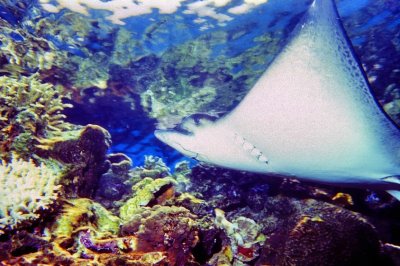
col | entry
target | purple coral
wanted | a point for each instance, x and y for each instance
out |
(85, 239)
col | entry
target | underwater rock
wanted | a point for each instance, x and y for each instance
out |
(30, 111)
(120, 164)
(113, 184)
(27, 192)
(84, 152)
(167, 229)
(229, 190)
(318, 233)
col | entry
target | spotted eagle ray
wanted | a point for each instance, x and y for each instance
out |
(311, 115)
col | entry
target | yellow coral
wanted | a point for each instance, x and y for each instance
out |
(29, 110)
(30, 52)
(343, 199)
(28, 93)
(145, 192)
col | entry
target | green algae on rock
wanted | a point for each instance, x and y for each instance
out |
(85, 213)
(147, 192)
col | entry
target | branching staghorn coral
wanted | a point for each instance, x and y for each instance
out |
(29, 111)
(25, 191)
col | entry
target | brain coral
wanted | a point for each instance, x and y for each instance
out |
(25, 191)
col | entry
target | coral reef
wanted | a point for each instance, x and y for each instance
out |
(171, 84)
(153, 167)
(200, 76)
(127, 49)
(84, 213)
(244, 234)
(166, 229)
(280, 208)
(23, 52)
(87, 73)
(148, 192)
(114, 184)
(67, 32)
(26, 192)
(317, 233)
(86, 233)
(169, 104)
(30, 111)
(157, 225)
